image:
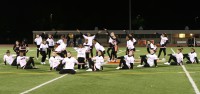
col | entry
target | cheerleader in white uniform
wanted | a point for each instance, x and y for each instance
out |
(96, 63)
(177, 57)
(43, 51)
(81, 55)
(54, 61)
(50, 42)
(149, 60)
(191, 57)
(69, 63)
(8, 58)
(127, 61)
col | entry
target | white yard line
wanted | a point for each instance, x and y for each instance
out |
(27, 91)
(191, 80)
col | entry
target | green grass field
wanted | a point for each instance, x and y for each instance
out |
(161, 80)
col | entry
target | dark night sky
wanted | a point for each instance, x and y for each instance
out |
(22, 17)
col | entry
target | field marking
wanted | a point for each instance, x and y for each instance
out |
(27, 91)
(52, 73)
(191, 80)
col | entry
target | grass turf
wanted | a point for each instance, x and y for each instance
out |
(163, 79)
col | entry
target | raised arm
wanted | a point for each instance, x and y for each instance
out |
(81, 34)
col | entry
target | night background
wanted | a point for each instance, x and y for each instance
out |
(19, 18)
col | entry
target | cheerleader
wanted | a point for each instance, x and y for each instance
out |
(96, 63)
(61, 40)
(149, 60)
(87, 53)
(115, 49)
(81, 55)
(24, 48)
(16, 47)
(50, 42)
(43, 51)
(25, 62)
(87, 46)
(90, 39)
(191, 57)
(38, 41)
(8, 58)
(131, 42)
(110, 41)
(98, 47)
(150, 46)
(163, 43)
(61, 49)
(177, 57)
(69, 63)
(127, 61)
(54, 61)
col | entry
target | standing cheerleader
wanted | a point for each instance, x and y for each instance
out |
(113, 41)
(81, 55)
(16, 47)
(50, 42)
(38, 41)
(110, 41)
(131, 42)
(191, 57)
(177, 57)
(163, 43)
(90, 39)
(24, 48)
(87, 46)
(87, 53)
(114, 49)
(43, 51)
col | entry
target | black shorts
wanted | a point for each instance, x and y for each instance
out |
(131, 49)
(38, 46)
(81, 60)
(51, 47)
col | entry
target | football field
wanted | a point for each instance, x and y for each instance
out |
(163, 79)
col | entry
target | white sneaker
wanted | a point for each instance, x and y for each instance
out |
(47, 58)
(41, 62)
(44, 63)
(118, 68)
(89, 70)
(139, 66)
(167, 63)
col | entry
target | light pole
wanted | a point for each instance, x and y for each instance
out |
(130, 18)
(51, 20)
